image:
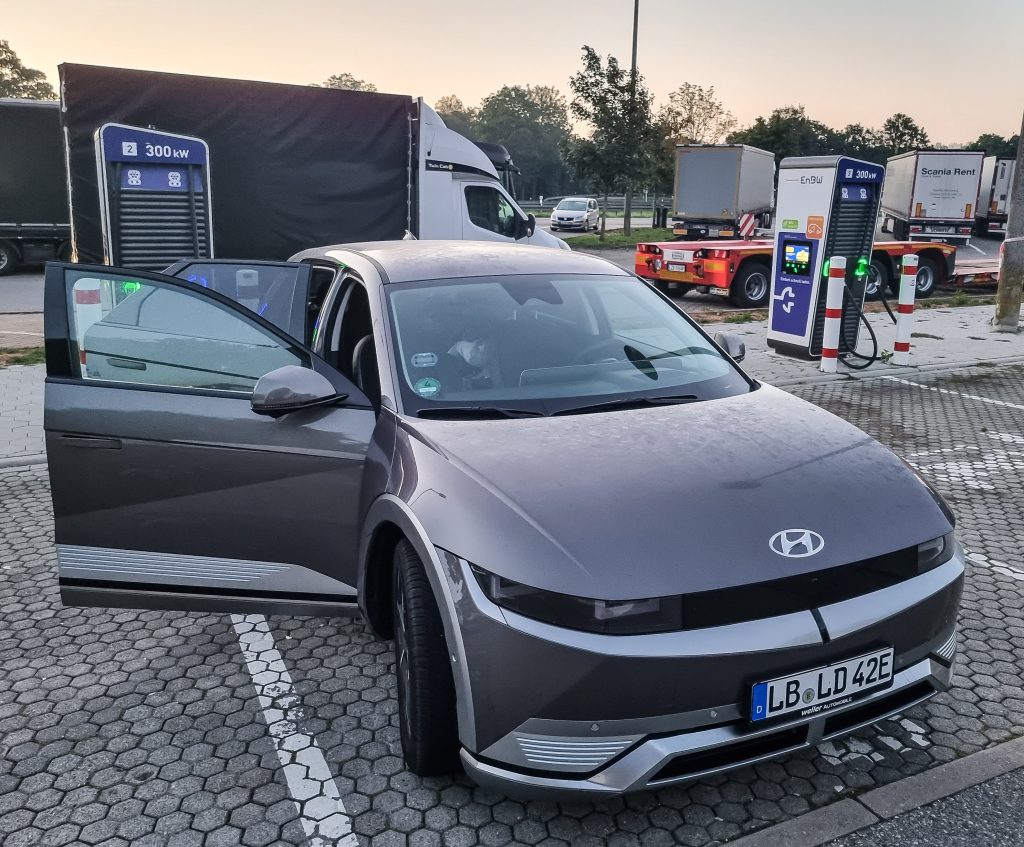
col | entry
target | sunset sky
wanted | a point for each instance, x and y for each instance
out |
(956, 67)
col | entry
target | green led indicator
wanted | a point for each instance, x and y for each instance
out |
(862, 267)
(130, 286)
(824, 270)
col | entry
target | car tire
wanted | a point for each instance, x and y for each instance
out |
(426, 689)
(9, 259)
(929, 274)
(878, 280)
(751, 287)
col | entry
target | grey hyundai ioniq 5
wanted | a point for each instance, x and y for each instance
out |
(608, 558)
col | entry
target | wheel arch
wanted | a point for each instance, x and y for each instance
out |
(939, 258)
(388, 521)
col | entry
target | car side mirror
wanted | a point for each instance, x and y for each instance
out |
(732, 344)
(291, 388)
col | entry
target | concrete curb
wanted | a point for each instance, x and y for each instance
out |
(837, 820)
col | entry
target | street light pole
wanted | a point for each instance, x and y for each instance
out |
(1011, 268)
(627, 202)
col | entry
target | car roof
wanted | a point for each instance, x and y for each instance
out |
(575, 198)
(410, 261)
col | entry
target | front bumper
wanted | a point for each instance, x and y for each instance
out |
(575, 224)
(565, 713)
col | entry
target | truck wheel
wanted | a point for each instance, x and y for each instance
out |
(751, 287)
(426, 690)
(928, 276)
(9, 259)
(878, 280)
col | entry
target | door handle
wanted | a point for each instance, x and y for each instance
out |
(128, 364)
(91, 442)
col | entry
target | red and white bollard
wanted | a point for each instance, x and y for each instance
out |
(833, 314)
(905, 310)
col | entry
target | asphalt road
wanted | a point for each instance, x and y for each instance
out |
(988, 815)
(22, 292)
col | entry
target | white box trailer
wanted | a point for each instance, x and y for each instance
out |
(722, 190)
(994, 196)
(931, 195)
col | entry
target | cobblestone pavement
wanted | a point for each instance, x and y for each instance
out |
(122, 727)
(21, 402)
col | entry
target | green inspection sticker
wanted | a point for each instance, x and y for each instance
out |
(791, 223)
(427, 387)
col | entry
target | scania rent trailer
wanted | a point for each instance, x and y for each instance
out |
(33, 185)
(741, 270)
(722, 190)
(272, 169)
(995, 194)
(931, 195)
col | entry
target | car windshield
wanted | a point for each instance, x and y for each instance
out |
(572, 206)
(548, 344)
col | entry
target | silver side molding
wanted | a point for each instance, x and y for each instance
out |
(175, 569)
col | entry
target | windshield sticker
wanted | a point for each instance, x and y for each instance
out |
(424, 360)
(427, 387)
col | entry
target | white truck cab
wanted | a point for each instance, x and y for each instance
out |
(460, 194)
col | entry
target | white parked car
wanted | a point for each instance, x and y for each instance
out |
(576, 213)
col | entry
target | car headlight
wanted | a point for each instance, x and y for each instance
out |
(936, 552)
(610, 617)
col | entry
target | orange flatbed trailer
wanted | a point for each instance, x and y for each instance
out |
(741, 270)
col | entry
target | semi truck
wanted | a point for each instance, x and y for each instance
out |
(741, 270)
(931, 195)
(722, 190)
(34, 224)
(994, 196)
(164, 167)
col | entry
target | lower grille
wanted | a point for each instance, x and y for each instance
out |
(877, 709)
(733, 754)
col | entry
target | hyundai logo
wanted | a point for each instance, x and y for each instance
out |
(796, 543)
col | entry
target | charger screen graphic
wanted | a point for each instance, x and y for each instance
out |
(796, 260)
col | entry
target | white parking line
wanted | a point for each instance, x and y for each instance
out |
(322, 812)
(977, 397)
(983, 253)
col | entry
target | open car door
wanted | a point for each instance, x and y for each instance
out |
(170, 488)
(276, 291)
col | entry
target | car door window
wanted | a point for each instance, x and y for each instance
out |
(151, 333)
(489, 209)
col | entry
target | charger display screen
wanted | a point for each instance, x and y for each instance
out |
(796, 258)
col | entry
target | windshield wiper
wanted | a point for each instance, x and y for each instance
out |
(629, 403)
(483, 412)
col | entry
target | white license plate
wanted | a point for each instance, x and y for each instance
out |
(939, 229)
(676, 268)
(722, 292)
(823, 689)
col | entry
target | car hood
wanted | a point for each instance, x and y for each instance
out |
(664, 500)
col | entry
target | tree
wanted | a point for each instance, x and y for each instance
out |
(347, 82)
(18, 81)
(533, 123)
(900, 133)
(618, 108)
(693, 115)
(992, 144)
(860, 142)
(456, 114)
(787, 132)
(1011, 264)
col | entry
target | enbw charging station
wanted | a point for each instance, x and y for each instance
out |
(825, 206)
(155, 205)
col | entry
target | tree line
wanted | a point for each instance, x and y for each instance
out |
(620, 140)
